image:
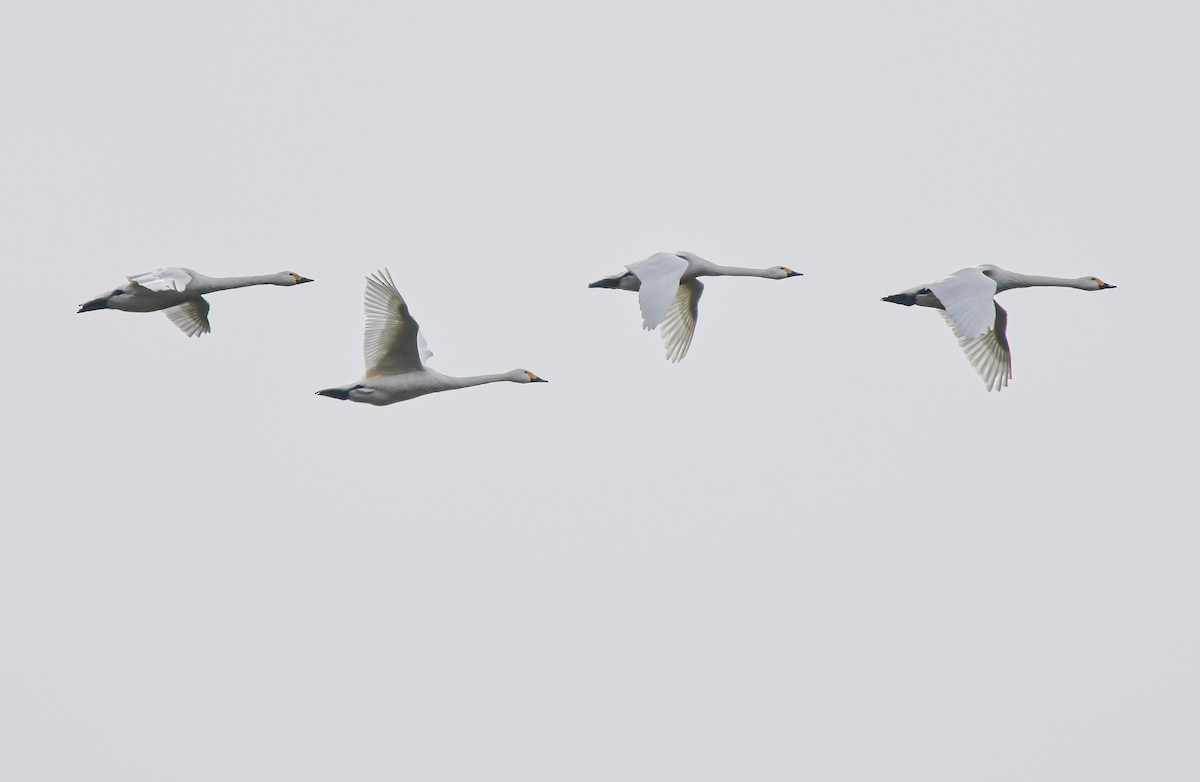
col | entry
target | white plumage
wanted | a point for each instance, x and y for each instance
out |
(966, 300)
(179, 293)
(669, 292)
(395, 352)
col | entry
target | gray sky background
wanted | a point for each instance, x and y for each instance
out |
(816, 549)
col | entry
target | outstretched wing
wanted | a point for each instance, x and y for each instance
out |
(680, 323)
(659, 275)
(967, 296)
(170, 279)
(979, 323)
(191, 317)
(390, 340)
(989, 354)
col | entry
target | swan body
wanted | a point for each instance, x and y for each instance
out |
(179, 293)
(966, 300)
(395, 353)
(669, 292)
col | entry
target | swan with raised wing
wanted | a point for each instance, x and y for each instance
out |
(179, 293)
(966, 300)
(669, 292)
(395, 353)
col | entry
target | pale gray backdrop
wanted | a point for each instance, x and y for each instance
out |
(816, 549)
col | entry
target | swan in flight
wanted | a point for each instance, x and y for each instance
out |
(395, 354)
(965, 300)
(669, 292)
(179, 293)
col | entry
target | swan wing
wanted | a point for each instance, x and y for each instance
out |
(659, 275)
(989, 352)
(967, 297)
(680, 323)
(170, 279)
(191, 317)
(391, 338)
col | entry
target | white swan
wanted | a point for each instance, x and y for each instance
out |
(669, 293)
(965, 301)
(180, 293)
(395, 354)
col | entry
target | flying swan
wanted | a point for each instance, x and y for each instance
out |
(179, 293)
(965, 301)
(395, 354)
(669, 292)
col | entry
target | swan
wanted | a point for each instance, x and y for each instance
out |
(180, 294)
(965, 300)
(395, 353)
(669, 292)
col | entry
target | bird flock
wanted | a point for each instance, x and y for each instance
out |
(668, 287)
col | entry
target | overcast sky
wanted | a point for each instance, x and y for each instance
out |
(815, 549)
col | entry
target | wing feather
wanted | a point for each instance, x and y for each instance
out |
(168, 279)
(191, 317)
(390, 339)
(967, 296)
(988, 352)
(659, 275)
(680, 322)
(979, 323)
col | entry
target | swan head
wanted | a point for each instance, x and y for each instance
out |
(290, 278)
(525, 376)
(781, 273)
(1096, 284)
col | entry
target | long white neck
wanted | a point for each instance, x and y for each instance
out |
(480, 380)
(716, 270)
(1010, 280)
(228, 283)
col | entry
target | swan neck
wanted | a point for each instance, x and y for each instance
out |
(1038, 281)
(476, 380)
(229, 283)
(716, 270)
